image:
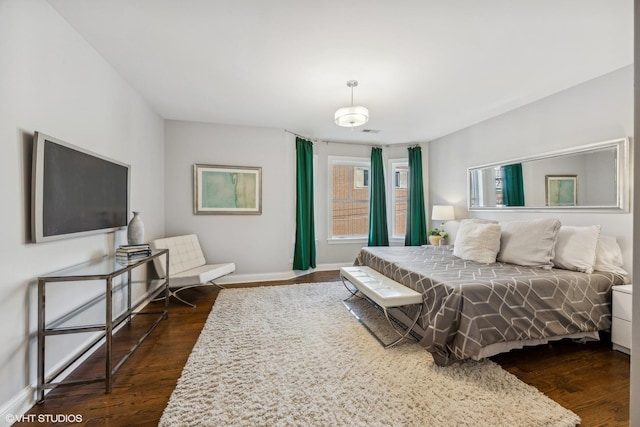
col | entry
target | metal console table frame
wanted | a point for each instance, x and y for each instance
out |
(107, 269)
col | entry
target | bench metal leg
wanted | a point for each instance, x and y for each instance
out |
(402, 334)
(353, 293)
(408, 330)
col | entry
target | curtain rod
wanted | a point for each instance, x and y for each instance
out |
(365, 144)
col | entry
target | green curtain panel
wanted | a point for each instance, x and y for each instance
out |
(304, 256)
(512, 185)
(378, 233)
(416, 233)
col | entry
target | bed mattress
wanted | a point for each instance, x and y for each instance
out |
(469, 306)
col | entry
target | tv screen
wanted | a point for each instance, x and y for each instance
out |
(75, 192)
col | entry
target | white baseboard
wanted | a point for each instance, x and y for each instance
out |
(334, 266)
(13, 410)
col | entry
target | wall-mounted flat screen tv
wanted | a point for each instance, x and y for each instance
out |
(75, 192)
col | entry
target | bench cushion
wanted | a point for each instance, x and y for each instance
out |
(379, 288)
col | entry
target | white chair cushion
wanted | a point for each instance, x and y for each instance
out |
(184, 254)
(200, 275)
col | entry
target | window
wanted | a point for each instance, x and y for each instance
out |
(399, 172)
(348, 198)
(400, 177)
(361, 177)
(499, 181)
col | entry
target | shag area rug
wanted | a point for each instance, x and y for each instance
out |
(294, 356)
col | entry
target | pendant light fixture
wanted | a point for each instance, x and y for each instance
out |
(354, 115)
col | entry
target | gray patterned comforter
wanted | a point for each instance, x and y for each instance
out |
(468, 305)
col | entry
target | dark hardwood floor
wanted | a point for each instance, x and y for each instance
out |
(590, 379)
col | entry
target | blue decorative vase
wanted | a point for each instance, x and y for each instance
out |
(135, 230)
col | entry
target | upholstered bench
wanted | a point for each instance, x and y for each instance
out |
(383, 292)
(187, 265)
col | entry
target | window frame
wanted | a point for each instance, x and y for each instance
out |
(391, 185)
(351, 161)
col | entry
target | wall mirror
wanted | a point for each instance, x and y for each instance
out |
(589, 177)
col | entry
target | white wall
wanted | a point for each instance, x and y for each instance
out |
(598, 110)
(635, 325)
(260, 245)
(52, 81)
(256, 243)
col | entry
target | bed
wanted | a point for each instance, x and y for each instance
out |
(474, 310)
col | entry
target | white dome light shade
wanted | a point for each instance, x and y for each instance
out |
(352, 116)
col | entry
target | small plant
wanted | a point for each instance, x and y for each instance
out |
(438, 232)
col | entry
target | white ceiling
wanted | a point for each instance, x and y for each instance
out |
(425, 68)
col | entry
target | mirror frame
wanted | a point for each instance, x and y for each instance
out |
(622, 146)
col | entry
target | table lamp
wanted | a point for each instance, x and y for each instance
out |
(443, 213)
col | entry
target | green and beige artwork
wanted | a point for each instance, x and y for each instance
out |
(561, 191)
(229, 190)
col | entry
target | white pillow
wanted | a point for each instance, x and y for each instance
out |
(576, 248)
(477, 242)
(609, 256)
(530, 243)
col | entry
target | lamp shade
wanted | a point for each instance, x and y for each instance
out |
(443, 212)
(352, 116)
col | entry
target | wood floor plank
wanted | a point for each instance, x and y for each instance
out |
(590, 379)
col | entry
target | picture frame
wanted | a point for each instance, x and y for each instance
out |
(561, 190)
(227, 190)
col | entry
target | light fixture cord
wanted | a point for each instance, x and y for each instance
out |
(352, 106)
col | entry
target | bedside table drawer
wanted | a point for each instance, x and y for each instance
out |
(621, 305)
(621, 334)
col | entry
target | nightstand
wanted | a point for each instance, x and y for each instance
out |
(621, 297)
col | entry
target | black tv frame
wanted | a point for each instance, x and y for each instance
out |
(82, 210)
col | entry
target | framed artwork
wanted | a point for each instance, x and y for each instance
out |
(561, 190)
(227, 190)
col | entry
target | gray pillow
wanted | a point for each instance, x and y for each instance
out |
(530, 243)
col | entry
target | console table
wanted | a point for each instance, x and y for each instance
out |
(107, 269)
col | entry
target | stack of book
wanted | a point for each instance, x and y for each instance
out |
(130, 254)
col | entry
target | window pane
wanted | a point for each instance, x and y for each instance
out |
(350, 199)
(400, 171)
